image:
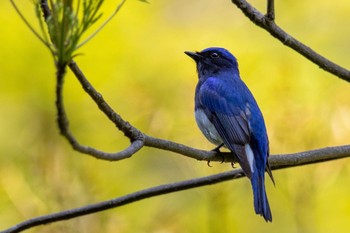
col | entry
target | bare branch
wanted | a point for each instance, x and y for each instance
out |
(276, 161)
(129, 130)
(309, 157)
(269, 25)
(137, 138)
(270, 9)
(127, 199)
(133, 134)
(189, 151)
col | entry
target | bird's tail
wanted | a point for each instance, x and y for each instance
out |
(261, 204)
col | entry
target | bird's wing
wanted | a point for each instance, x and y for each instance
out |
(229, 115)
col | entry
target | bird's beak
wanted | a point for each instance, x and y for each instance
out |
(194, 55)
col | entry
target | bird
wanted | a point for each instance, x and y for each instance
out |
(228, 115)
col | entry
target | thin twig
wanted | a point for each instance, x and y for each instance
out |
(138, 138)
(269, 25)
(135, 136)
(271, 9)
(276, 161)
(63, 123)
(123, 200)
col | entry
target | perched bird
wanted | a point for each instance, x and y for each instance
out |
(228, 115)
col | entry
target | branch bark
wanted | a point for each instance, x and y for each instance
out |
(267, 23)
(139, 139)
(276, 162)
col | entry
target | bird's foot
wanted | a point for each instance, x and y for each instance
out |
(217, 150)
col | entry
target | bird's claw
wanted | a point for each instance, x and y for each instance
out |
(208, 163)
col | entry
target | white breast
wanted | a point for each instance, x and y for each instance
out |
(207, 128)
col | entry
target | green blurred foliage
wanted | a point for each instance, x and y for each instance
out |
(137, 63)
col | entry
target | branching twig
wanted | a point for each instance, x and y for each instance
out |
(139, 139)
(269, 25)
(63, 124)
(276, 161)
(270, 9)
(135, 136)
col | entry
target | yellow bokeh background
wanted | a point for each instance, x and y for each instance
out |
(138, 65)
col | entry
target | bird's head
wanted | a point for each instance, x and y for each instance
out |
(214, 60)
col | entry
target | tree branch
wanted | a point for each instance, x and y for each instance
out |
(135, 136)
(63, 123)
(270, 9)
(266, 22)
(139, 139)
(276, 161)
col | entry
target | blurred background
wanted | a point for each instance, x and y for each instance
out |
(137, 63)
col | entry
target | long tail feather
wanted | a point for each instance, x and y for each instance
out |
(261, 204)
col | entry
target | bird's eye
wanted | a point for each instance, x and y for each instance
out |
(214, 55)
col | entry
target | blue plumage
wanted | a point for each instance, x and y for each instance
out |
(227, 113)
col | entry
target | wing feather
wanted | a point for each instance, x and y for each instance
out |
(229, 117)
